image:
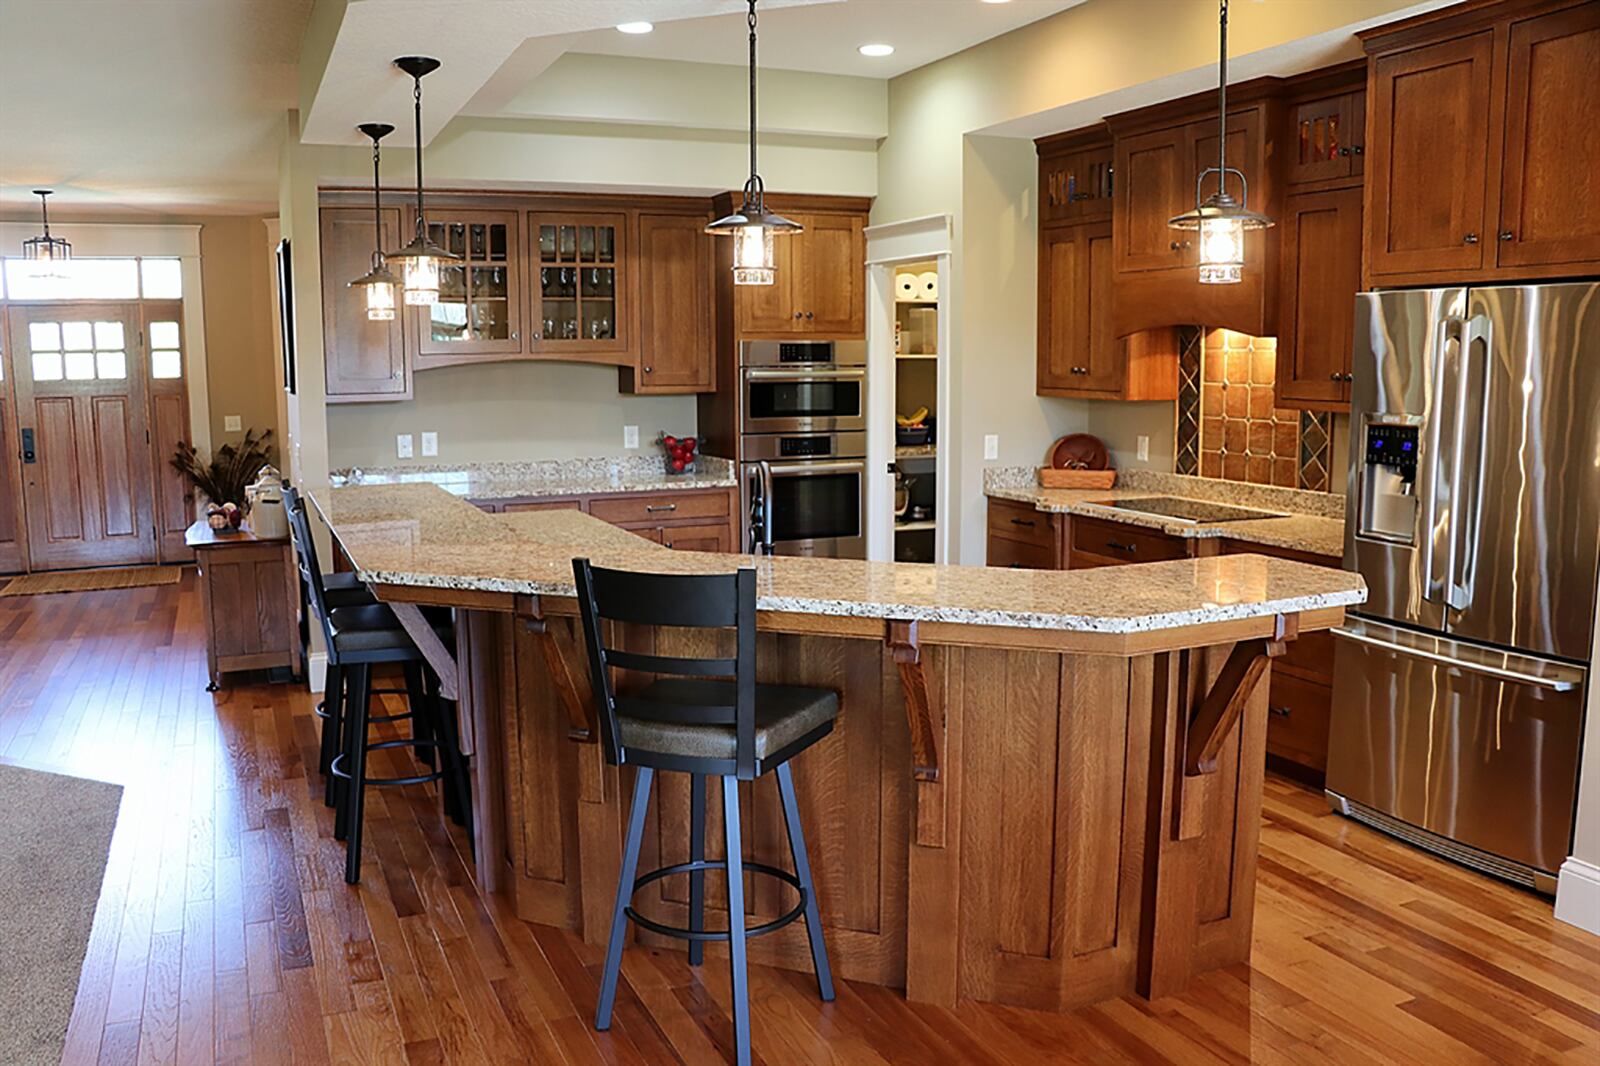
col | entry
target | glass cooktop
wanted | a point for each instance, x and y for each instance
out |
(1184, 510)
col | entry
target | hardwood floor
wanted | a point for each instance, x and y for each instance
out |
(225, 931)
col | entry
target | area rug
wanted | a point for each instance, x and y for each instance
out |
(55, 834)
(126, 577)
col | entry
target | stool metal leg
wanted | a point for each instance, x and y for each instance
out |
(736, 937)
(457, 788)
(619, 919)
(360, 706)
(802, 870)
(697, 878)
(332, 729)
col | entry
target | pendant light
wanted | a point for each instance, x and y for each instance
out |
(379, 281)
(45, 248)
(753, 227)
(1221, 220)
(419, 260)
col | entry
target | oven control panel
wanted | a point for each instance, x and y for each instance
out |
(805, 352)
(805, 447)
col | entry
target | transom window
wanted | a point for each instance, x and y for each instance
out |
(94, 279)
(78, 351)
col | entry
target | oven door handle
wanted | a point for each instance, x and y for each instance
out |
(807, 469)
(798, 374)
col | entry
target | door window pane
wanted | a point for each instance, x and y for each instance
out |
(163, 278)
(80, 366)
(77, 336)
(165, 364)
(111, 366)
(46, 366)
(44, 336)
(163, 334)
(108, 335)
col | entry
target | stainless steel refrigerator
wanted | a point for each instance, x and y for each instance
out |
(1474, 515)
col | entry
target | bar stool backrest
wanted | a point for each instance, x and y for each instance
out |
(305, 553)
(699, 601)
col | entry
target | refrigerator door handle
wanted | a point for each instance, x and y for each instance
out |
(1472, 399)
(1554, 684)
(1436, 571)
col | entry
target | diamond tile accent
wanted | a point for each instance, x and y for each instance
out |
(1190, 396)
(1316, 444)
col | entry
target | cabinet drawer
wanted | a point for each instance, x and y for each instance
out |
(1021, 522)
(709, 537)
(1020, 555)
(666, 507)
(1114, 542)
(1297, 720)
(542, 505)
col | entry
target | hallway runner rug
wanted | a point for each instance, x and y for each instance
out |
(126, 577)
(55, 835)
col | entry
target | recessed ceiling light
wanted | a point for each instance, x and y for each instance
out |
(636, 27)
(876, 50)
(997, 1)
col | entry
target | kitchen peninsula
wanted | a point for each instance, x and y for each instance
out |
(1044, 789)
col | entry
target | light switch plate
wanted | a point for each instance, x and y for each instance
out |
(232, 423)
(630, 436)
(1144, 448)
(402, 445)
(991, 446)
(430, 443)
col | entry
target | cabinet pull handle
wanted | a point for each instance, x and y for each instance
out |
(1349, 376)
(1345, 150)
(516, 334)
(797, 315)
(1335, 376)
(1507, 235)
(1121, 547)
(1022, 522)
(649, 370)
(1279, 712)
(809, 316)
(657, 508)
(538, 337)
(1471, 238)
(1357, 149)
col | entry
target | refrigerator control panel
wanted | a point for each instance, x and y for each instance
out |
(1388, 484)
(1394, 447)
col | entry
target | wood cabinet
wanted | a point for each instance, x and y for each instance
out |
(1078, 353)
(1327, 138)
(363, 360)
(479, 312)
(578, 268)
(685, 519)
(1075, 177)
(820, 287)
(677, 348)
(1096, 542)
(1153, 183)
(1022, 537)
(1482, 156)
(249, 600)
(1321, 274)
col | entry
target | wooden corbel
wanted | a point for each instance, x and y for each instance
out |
(1214, 719)
(571, 690)
(918, 687)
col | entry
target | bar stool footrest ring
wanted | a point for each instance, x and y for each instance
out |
(717, 935)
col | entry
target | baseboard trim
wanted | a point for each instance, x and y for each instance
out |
(1578, 895)
(317, 670)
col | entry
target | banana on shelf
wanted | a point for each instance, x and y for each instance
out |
(915, 418)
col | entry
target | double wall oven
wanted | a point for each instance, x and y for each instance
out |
(803, 446)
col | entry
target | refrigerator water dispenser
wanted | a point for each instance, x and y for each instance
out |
(1388, 484)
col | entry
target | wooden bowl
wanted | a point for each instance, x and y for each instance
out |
(1082, 451)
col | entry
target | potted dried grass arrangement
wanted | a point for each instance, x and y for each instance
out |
(224, 476)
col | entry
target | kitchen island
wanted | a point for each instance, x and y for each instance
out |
(1043, 789)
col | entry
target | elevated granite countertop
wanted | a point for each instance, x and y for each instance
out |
(1313, 522)
(549, 478)
(421, 535)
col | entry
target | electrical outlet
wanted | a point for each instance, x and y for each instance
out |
(630, 436)
(1144, 448)
(991, 446)
(430, 443)
(402, 445)
(232, 423)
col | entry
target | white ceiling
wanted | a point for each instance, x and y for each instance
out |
(825, 37)
(146, 104)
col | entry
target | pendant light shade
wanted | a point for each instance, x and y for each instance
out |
(378, 282)
(1221, 220)
(419, 260)
(752, 227)
(45, 248)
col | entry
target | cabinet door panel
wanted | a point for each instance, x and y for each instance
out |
(480, 297)
(1321, 265)
(1427, 147)
(676, 347)
(1063, 296)
(1075, 186)
(1105, 357)
(578, 286)
(1320, 139)
(710, 537)
(1550, 195)
(831, 273)
(771, 308)
(365, 360)
(1153, 183)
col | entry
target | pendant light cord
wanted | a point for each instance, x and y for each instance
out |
(377, 210)
(416, 99)
(1222, 102)
(44, 197)
(754, 184)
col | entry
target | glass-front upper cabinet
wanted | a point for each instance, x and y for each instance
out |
(480, 306)
(577, 300)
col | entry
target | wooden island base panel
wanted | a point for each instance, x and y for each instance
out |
(1043, 790)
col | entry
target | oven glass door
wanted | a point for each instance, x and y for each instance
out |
(780, 402)
(817, 501)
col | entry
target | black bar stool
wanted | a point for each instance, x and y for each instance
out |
(360, 636)
(710, 719)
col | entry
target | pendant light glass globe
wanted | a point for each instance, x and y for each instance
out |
(419, 259)
(378, 282)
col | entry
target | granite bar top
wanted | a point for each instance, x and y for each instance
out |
(1314, 521)
(549, 478)
(421, 535)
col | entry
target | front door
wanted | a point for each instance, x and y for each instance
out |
(82, 420)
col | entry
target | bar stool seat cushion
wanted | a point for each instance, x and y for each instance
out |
(373, 627)
(784, 714)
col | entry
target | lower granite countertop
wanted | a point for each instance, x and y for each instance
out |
(550, 478)
(420, 535)
(1313, 522)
